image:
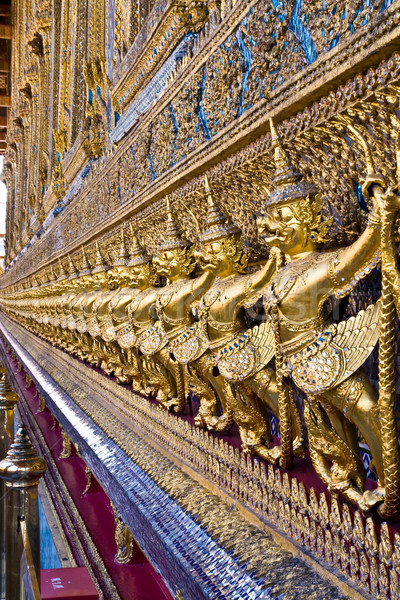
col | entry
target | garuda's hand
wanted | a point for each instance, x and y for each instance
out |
(390, 200)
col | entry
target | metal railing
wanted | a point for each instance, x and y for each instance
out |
(20, 472)
(27, 567)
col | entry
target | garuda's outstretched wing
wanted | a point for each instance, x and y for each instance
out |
(247, 353)
(357, 337)
(336, 352)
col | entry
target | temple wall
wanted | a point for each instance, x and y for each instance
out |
(130, 123)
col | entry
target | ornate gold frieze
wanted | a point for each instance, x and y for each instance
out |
(143, 58)
(287, 93)
(305, 129)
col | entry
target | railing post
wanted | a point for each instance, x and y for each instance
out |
(21, 470)
(8, 400)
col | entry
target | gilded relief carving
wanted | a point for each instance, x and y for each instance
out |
(223, 266)
(178, 354)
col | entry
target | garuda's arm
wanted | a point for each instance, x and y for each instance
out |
(260, 279)
(355, 261)
(200, 286)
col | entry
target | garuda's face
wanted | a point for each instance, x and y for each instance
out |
(213, 256)
(140, 276)
(87, 281)
(100, 280)
(170, 263)
(83, 282)
(281, 228)
(118, 276)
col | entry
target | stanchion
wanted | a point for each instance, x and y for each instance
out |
(8, 400)
(21, 471)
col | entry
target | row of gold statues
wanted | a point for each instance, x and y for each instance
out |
(189, 336)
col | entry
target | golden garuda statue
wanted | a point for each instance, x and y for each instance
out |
(173, 326)
(323, 358)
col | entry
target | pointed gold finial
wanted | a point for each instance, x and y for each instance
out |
(173, 237)
(274, 134)
(8, 397)
(287, 184)
(123, 254)
(22, 467)
(52, 275)
(137, 255)
(62, 273)
(285, 174)
(99, 262)
(85, 267)
(217, 224)
(73, 271)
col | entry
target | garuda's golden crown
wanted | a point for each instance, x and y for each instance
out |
(137, 255)
(173, 237)
(287, 183)
(217, 225)
(99, 262)
(86, 269)
(62, 273)
(73, 271)
(122, 257)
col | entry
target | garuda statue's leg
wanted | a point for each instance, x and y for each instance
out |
(239, 404)
(263, 384)
(356, 399)
(177, 393)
